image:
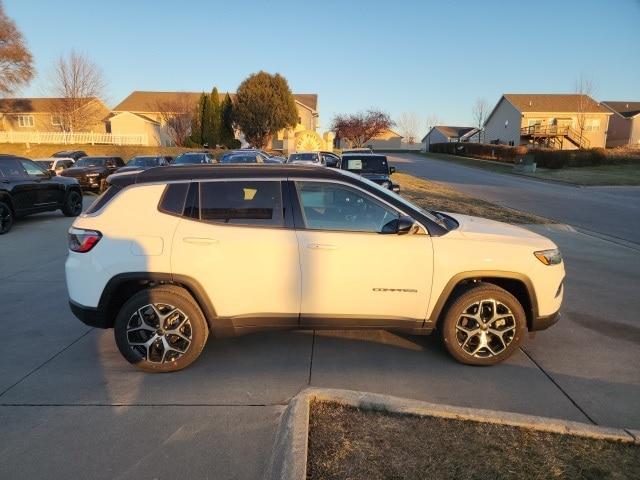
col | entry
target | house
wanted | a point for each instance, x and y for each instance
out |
(43, 115)
(624, 124)
(387, 140)
(145, 113)
(447, 134)
(562, 121)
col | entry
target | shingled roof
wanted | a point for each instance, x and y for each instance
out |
(626, 109)
(32, 105)
(140, 101)
(554, 102)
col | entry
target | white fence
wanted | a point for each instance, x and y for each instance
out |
(64, 138)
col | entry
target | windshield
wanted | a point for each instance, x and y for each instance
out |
(144, 162)
(304, 157)
(91, 162)
(238, 159)
(45, 163)
(365, 164)
(386, 192)
(190, 158)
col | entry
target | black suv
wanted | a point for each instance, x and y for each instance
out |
(27, 188)
(75, 154)
(91, 172)
(371, 166)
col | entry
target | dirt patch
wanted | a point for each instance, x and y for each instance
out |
(349, 443)
(437, 196)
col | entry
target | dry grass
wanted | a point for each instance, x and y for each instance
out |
(437, 196)
(348, 443)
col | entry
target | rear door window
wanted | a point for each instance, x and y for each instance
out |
(242, 202)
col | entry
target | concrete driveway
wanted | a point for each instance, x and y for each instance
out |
(71, 407)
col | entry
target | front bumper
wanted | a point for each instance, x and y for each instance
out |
(90, 316)
(544, 322)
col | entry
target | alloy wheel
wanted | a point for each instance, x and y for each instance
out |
(75, 203)
(159, 333)
(6, 218)
(485, 328)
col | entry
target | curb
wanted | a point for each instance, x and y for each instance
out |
(289, 457)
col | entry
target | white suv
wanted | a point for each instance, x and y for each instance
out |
(170, 255)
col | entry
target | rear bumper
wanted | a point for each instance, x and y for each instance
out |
(90, 316)
(542, 323)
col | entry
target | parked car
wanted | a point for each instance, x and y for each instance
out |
(262, 156)
(91, 172)
(331, 159)
(371, 166)
(191, 158)
(169, 256)
(26, 188)
(242, 157)
(75, 154)
(55, 165)
(357, 150)
(306, 158)
(144, 162)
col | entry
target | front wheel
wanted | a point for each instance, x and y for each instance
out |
(6, 218)
(72, 204)
(161, 329)
(484, 326)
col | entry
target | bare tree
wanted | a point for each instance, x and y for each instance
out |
(480, 112)
(79, 86)
(16, 62)
(177, 115)
(584, 89)
(359, 128)
(409, 125)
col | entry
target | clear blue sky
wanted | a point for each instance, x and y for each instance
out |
(428, 57)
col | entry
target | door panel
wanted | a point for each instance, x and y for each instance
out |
(351, 274)
(248, 271)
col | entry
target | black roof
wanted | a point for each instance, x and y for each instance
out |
(221, 170)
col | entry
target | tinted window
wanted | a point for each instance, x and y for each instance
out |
(10, 167)
(174, 198)
(32, 168)
(187, 158)
(304, 157)
(103, 199)
(145, 162)
(242, 202)
(328, 206)
(46, 163)
(91, 162)
(365, 164)
(238, 159)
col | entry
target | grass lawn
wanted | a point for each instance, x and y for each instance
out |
(621, 174)
(437, 196)
(345, 442)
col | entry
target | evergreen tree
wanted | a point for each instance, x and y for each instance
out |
(197, 124)
(227, 137)
(212, 134)
(206, 121)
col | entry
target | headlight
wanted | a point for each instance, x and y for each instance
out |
(93, 175)
(385, 184)
(549, 257)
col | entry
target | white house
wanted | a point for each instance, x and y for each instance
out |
(447, 134)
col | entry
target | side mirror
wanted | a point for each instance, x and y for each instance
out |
(398, 226)
(392, 170)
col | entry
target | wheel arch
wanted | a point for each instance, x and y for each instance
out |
(123, 286)
(6, 198)
(517, 284)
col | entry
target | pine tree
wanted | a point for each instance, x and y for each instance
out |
(197, 125)
(212, 134)
(227, 137)
(206, 121)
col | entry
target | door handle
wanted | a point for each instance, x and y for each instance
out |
(200, 241)
(322, 246)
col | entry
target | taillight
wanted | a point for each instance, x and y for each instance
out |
(81, 240)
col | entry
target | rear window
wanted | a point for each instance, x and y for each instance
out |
(242, 202)
(173, 199)
(103, 199)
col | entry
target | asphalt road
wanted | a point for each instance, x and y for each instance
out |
(612, 211)
(71, 407)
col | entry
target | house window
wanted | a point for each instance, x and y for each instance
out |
(56, 121)
(299, 119)
(25, 121)
(592, 125)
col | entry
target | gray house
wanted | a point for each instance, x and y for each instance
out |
(447, 134)
(624, 124)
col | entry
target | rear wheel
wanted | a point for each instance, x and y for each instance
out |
(6, 218)
(161, 329)
(484, 326)
(72, 204)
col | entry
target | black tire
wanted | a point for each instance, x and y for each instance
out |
(6, 218)
(130, 328)
(497, 339)
(72, 206)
